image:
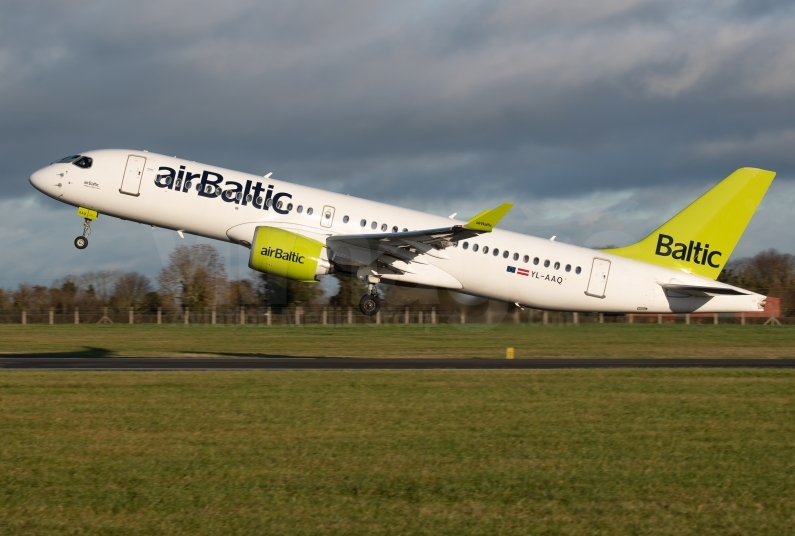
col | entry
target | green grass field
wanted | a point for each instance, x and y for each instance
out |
(442, 452)
(585, 340)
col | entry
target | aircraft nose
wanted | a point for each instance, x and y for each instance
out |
(40, 178)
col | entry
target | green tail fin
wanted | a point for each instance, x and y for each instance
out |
(701, 238)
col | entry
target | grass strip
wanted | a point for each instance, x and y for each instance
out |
(441, 452)
(587, 340)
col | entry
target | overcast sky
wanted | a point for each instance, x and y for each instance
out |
(599, 119)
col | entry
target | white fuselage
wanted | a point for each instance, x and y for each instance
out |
(631, 286)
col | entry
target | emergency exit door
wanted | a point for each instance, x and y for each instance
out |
(327, 216)
(598, 282)
(133, 173)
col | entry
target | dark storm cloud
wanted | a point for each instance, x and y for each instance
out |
(409, 101)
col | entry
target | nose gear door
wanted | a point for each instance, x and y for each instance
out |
(327, 216)
(133, 173)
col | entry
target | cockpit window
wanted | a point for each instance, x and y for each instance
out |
(76, 159)
(67, 160)
(84, 162)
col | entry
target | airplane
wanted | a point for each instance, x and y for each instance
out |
(304, 233)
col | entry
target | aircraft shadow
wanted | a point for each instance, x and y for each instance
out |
(86, 352)
(90, 352)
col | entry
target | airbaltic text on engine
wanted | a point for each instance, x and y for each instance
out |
(210, 185)
(279, 253)
(685, 252)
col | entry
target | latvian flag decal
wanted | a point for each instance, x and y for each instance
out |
(518, 271)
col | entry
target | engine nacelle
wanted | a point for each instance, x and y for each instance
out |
(287, 254)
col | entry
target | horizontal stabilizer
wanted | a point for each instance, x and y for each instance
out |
(701, 291)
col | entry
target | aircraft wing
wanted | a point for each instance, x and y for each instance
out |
(425, 240)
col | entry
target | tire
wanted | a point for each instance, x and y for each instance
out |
(369, 305)
(81, 242)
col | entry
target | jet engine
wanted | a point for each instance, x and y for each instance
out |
(287, 254)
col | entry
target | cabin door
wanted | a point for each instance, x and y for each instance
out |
(133, 173)
(598, 282)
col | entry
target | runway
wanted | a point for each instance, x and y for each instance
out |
(47, 362)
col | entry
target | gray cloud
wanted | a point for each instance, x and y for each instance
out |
(429, 104)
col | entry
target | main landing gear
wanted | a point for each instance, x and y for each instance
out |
(81, 242)
(369, 305)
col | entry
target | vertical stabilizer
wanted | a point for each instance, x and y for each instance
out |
(701, 238)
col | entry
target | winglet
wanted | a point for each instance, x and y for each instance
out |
(488, 219)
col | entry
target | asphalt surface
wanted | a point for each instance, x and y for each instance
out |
(46, 362)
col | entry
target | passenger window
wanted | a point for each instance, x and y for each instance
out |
(578, 270)
(485, 249)
(345, 219)
(557, 266)
(505, 254)
(546, 263)
(535, 261)
(405, 230)
(466, 245)
(279, 205)
(259, 200)
(516, 257)
(526, 258)
(474, 247)
(300, 209)
(383, 227)
(289, 206)
(269, 202)
(363, 223)
(394, 229)
(568, 267)
(309, 211)
(496, 252)
(374, 225)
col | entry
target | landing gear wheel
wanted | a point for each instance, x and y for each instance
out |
(369, 305)
(81, 242)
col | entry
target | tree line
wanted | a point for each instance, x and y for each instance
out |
(195, 277)
(769, 272)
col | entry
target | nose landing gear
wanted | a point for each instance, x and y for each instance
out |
(81, 242)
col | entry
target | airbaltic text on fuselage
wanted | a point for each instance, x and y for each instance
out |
(686, 252)
(279, 253)
(211, 184)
